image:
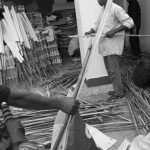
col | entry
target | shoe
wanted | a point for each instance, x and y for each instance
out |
(114, 97)
(111, 92)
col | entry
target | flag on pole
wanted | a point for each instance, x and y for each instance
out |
(73, 134)
(76, 135)
(16, 23)
(1, 40)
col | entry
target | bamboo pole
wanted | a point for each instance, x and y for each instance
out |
(93, 35)
(133, 116)
(10, 23)
(10, 41)
(67, 117)
(96, 41)
(23, 32)
(1, 40)
(14, 16)
(24, 17)
(82, 75)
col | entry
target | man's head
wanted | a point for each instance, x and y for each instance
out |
(102, 2)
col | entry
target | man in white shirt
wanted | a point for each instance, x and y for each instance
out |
(111, 46)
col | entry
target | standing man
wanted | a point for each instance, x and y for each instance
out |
(134, 12)
(111, 46)
(23, 99)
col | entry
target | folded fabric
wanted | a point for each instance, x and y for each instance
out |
(141, 142)
(73, 45)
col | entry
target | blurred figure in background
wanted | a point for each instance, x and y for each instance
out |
(134, 12)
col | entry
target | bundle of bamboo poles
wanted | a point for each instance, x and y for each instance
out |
(39, 124)
(22, 42)
(107, 117)
(137, 98)
(63, 78)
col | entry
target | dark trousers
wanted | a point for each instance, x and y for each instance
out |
(114, 72)
(135, 43)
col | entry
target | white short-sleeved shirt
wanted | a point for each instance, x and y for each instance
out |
(116, 17)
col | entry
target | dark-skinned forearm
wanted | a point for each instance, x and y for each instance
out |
(121, 28)
(30, 100)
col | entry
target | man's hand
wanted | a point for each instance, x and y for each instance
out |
(89, 32)
(110, 34)
(69, 105)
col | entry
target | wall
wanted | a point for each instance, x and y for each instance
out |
(86, 19)
(62, 5)
(60, 1)
(45, 6)
(87, 13)
(145, 25)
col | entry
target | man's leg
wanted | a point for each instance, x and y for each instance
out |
(106, 64)
(115, 74)
(108, 71)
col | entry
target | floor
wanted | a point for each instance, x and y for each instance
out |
(94, 94)
(121, 135)
(97, 94)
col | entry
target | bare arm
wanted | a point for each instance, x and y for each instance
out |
(28, 100)
(124, 19)
(113, 32)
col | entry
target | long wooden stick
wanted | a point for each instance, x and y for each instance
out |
(84, 70)
(67, 118)
(93, 35)
(133, 116)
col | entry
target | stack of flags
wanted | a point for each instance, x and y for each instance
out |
(24, 56)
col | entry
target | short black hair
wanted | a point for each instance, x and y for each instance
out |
(141, 74)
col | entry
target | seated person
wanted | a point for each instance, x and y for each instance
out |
(28, 100)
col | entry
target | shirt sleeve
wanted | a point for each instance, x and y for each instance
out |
(123, 17)
(4, 94)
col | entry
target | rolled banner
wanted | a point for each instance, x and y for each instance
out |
(16, 23)
(73, 120)
(10, 23)
(26, 27)
(23, 32)
(30, 26)
(10, 30)
(1, 40)
(10, 41)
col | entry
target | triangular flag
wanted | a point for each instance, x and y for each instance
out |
(76, 135)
